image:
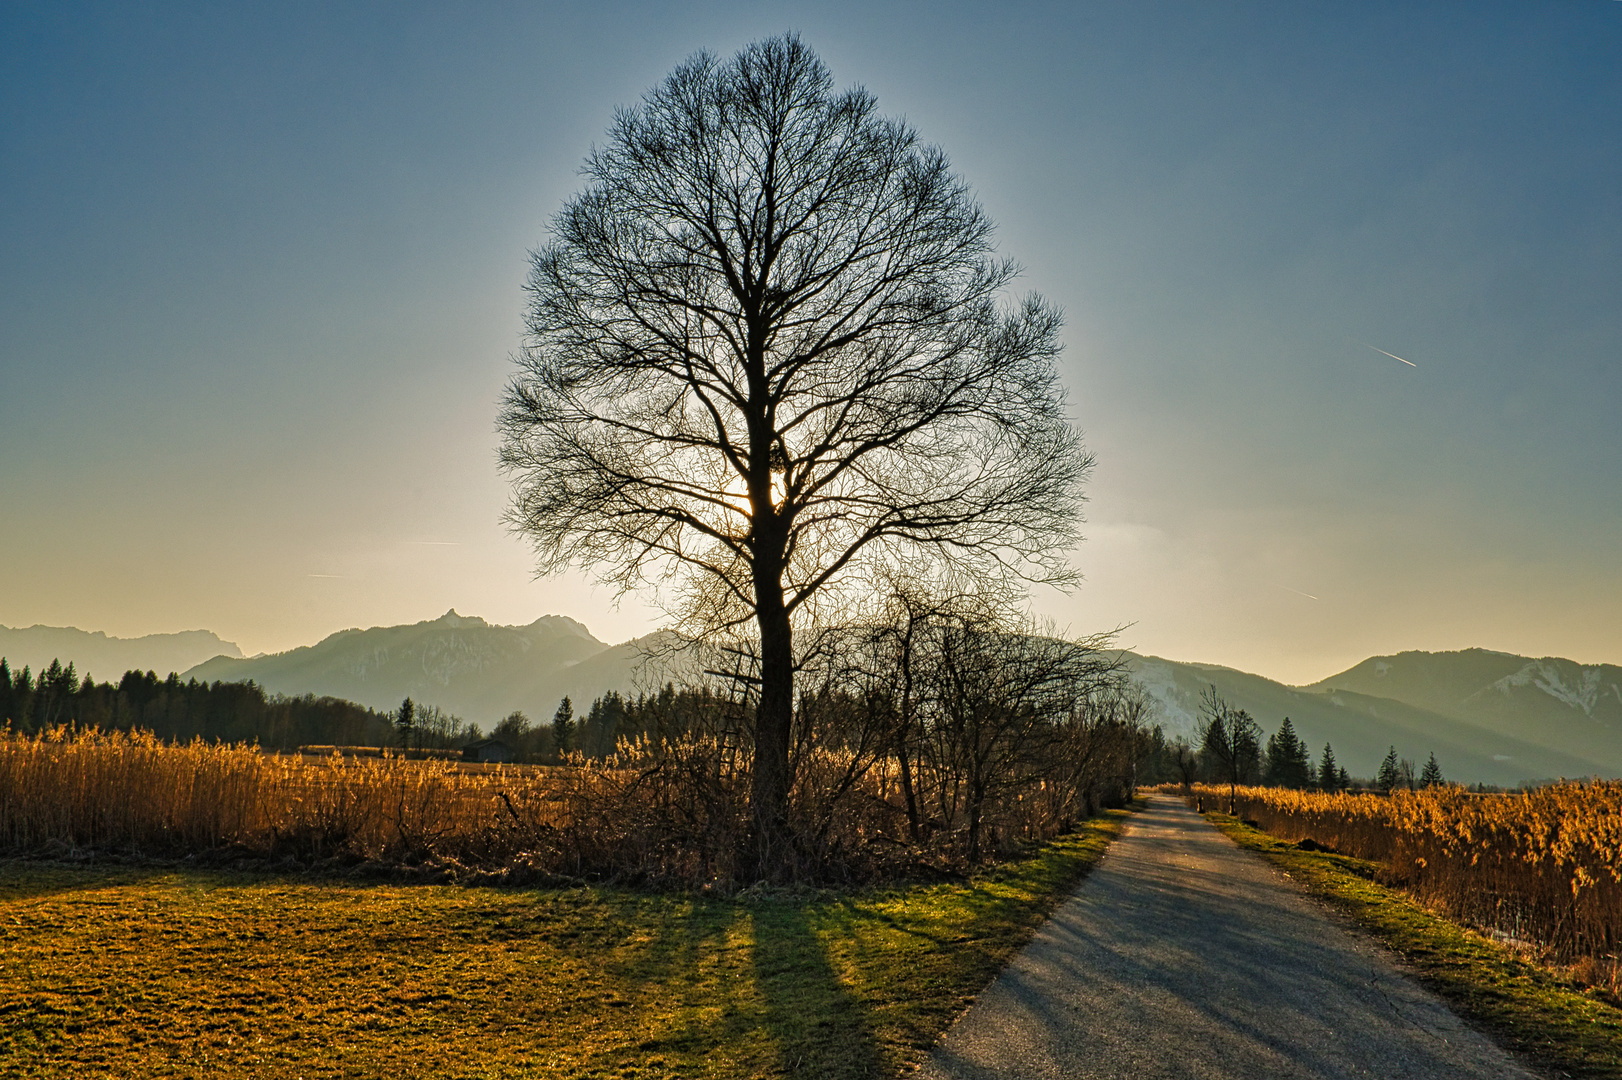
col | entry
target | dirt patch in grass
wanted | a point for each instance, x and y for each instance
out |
(125, 972)
(1524, 1006)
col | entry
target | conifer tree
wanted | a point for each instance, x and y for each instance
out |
(22, 699)
(1288, 764)
(600, 732)
(1387, 777)
(1345, 779)
(405, 722)
(1432, 776)
(1328, 771)
(563, 728)
(53, 692)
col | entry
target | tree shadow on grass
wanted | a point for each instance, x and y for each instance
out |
(820, 1028)
(29, 879)
(748, 987)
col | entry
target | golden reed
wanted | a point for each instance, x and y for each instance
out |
(133, 792)
(1540, 868)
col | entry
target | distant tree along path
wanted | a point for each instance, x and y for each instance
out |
(1182, 956)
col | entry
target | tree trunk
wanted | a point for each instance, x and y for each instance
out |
(905, 762)
(774, 718)
(902, 755)
(977, 800)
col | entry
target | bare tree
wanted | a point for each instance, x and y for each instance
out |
(1230, 743)
(765, 350)
(1003, 700)
(909, 611)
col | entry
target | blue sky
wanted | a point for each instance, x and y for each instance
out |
(260, 274)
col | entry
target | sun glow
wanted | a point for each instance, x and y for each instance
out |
(736, 493)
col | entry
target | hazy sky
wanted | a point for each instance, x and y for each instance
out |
(260, 274)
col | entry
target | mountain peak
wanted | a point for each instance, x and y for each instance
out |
(563, 623)
(453, 620)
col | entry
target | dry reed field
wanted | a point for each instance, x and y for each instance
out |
(65, 790)
(1540, 869)
(656, 811)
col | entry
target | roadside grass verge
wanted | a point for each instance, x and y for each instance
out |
(131, 972)
(1527, 1008)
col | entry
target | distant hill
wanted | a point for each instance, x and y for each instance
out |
(460, 663)
(1361, 719)
(109, 657)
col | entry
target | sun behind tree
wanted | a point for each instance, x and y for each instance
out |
(766, 352)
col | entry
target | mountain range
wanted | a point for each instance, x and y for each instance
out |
(109, 657)
(1571, 707)
(1507, 722)
(1488, 716)
(460, 663)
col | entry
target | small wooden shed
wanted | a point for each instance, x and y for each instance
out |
(489, 751)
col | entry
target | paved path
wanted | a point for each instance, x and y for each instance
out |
(1183, 956)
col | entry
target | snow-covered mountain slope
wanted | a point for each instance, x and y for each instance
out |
(1361, 725)
(1576, 708)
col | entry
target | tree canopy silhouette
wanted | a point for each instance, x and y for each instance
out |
(767, 351)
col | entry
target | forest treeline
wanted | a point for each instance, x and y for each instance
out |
(179, 711)
(1228, 749)
(1228, 746)
(595, 734)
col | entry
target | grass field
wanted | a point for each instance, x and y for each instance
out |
(159, 972)
(1524, 1006)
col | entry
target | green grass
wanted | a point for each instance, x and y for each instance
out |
(1525, 1007)
(154, 972)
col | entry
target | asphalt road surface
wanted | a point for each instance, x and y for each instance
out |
(1183, 956)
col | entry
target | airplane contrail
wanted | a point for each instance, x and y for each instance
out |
(1298, 592)
(1393, 356)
